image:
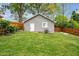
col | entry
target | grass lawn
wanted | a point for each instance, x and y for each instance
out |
(39, 44)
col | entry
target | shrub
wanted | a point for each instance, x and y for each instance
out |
(69, 25)
(75, 24)
(11, 29)
(4, 23)
(46, 31)
(60, 21)
(3, 26)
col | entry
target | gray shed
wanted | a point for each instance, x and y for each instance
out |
(39, 23)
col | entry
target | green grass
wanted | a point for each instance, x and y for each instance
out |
(39, 44)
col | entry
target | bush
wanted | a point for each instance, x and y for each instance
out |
(60, 21)
(11, 29)
(3, 26)
(4, 23)
(6, 28)
(46, 31)
(75, 24)
(69, 25)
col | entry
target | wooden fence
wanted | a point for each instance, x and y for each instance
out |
(67, 30)
(17, 24)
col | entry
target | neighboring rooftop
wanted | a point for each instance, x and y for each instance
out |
(1, 16)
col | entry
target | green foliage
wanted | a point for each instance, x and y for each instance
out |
(61, 21)
(45, 9)
(3, 23)
(5, 27)
(17, 9)
(11, 29)
(69, 25)
(20, 9)
(75, 24)
(75, 16)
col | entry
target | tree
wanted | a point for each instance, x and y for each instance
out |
(41, 8)
(17, 9)
(61, 21)
(75, 16)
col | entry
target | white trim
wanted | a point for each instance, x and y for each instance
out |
(32, 27)
(46, 24)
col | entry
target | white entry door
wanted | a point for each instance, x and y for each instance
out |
(32, 27)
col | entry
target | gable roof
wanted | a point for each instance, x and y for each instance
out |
(38, 15)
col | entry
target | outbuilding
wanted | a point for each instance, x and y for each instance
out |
(39, 23)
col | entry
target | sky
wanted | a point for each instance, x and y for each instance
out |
(71, 7)
(68, 10)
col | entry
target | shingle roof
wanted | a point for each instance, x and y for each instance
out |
(36, 16)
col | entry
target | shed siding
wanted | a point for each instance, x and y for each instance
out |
(38, 24)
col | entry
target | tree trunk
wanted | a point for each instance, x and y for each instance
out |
(20, 12)
(20, 18)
